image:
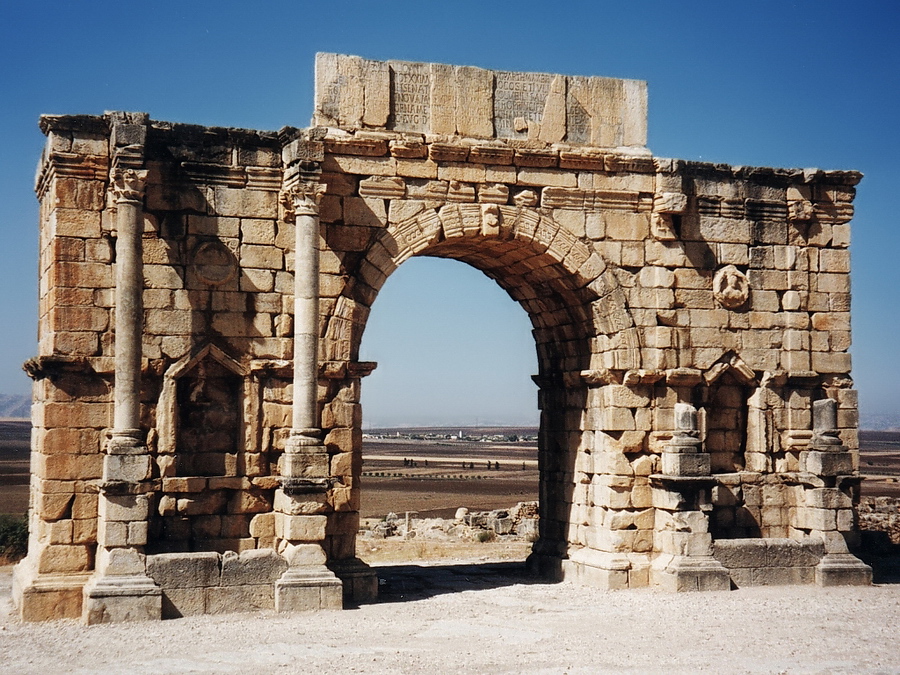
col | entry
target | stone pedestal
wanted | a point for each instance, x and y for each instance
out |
(120, 589)
(308, 587)
(359, 579)
(114, 599)
(307, 584)
(842, 569)
(42, 597)
(683, 490)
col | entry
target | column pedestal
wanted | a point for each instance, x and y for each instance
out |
(842, 569)
(120, 590)
(359, 579)
(307, 584)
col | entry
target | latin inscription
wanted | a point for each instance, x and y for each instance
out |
(578, 122)
(521, 95)
(329, 103)
(410, 94)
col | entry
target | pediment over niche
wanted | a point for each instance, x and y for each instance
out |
(201, 412)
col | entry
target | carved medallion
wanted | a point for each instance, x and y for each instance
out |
(730, 287)
(214, 263)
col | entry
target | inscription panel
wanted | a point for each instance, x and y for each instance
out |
(354, 93)
(410, 95)
(578, 121)
(329, 84)
(521, 95)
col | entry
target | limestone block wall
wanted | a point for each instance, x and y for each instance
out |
(691, 321)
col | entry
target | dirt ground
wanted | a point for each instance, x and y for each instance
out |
(471, 609)
(489, 618)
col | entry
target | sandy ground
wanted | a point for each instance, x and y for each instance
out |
(469, 618)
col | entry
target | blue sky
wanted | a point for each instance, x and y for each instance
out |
(793, 84)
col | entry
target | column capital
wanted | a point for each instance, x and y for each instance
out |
(301, 199)
(127, 185)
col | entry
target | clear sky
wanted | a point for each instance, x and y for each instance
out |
(770, 83)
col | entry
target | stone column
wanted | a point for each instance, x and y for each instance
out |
(681, 495)
(128, 188)
(305, 431)
(301, 501)
(120, 590)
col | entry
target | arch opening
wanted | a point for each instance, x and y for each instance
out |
(576, 310)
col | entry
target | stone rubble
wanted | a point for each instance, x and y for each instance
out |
(517, 523)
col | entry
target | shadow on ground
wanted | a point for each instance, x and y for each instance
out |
(878, 551)
(410, 582)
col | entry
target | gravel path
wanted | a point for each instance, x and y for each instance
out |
(469, 618)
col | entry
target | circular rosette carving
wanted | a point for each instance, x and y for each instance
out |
(214, 263)
(731, 287)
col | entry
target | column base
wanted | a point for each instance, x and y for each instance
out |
(119, 599)
(680, 574)
(45, 597)
(308, 588)
(842, 569)
(608, 571)
(359, 580)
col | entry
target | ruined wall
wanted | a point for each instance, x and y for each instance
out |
(651, 284)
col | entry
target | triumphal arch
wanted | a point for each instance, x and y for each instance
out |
(204, 291)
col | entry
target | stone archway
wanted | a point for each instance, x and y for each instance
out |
(579, 317)
(638, 274)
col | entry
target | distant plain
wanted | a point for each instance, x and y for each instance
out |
(441, 475)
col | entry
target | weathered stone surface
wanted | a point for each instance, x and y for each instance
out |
(256, 567)
(477, 103)
(184, 570)
(218, 347)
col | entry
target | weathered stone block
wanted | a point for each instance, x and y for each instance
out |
(126, 468)
(181, 602)
(300, 528)
(184, 570)
(827, 463)
(686, 464)
(239, 598)
(257, 567)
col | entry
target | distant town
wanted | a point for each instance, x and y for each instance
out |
(493, 435)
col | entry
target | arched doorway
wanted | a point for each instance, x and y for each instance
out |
(580, 326)
(449, 466)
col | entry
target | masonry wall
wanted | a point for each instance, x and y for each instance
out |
(649, 282)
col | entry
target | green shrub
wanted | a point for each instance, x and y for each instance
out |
(485, 536)
(13, 536)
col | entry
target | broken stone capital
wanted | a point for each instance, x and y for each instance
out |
(825, 434)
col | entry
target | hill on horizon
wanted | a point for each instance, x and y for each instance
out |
(17, 406)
